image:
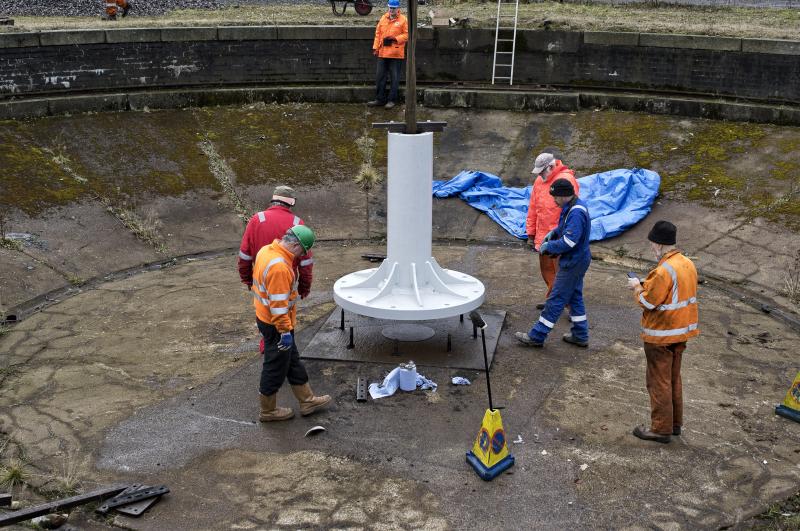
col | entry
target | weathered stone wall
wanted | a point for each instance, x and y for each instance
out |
(77, 62)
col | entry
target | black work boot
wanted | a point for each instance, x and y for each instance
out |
(569, 338)
(126, 9)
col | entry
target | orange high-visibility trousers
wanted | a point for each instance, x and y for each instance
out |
(548, 265)
(112, 5)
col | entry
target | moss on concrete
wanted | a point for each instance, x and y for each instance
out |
(31, 179)
(126, 157)
(752, 168)
(296, 142)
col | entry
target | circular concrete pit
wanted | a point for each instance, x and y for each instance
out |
(151, 375)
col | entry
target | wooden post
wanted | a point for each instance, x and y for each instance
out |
(411, 71)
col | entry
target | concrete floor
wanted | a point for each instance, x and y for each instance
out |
(152, 377)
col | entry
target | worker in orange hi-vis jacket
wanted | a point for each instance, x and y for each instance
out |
(389, 46)
(668, 298)
(117, 7)
(275, 300)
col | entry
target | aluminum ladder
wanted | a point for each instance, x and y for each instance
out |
(505, 41)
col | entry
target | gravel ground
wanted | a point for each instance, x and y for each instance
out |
(87, 8)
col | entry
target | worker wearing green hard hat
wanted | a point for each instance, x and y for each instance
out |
(275, 299)
(304, 235)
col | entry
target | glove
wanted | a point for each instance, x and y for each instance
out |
(531, 243)
(286, 341)
(549, 235)
(303, 292)
(389, 40)
(543, 248)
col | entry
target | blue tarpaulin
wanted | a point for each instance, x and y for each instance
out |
(617, 199)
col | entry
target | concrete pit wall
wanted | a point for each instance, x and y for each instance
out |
(718, 77)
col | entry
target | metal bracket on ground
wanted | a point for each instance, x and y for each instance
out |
(361, 390)
(132, 494)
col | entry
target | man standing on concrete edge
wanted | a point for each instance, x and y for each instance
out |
(274, 298)
(543, 212)
(668, 297)
(270, 225)
(389, 46)
(570, 243)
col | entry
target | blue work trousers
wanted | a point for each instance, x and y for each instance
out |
(391, 68)
(567, 291)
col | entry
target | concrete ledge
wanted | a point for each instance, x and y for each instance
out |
(168, 99)
(18, 40)
(312, 33)
(695, 42)
(766, 46)
(610, 38)
(133, 35)
(70, 37)
(93, 103)
(188, 34)
(502, 100)
(567, 101)
(549, 41)
(702, 108)
(360, 32)
(247, 33)
(14, 110)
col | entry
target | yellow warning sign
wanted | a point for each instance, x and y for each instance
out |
(489, 455)
(791, 404)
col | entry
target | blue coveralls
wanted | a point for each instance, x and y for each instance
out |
(570, 240)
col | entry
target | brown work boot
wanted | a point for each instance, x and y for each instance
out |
(270, 411)
(308, 402)
(647, 435)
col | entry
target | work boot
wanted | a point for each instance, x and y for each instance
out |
(125, 10)
(676, 430)
(389, 105)
(270, 411)
(647, 435)
(374, 103)
(308, 402)
(569, 338)
(526, 340)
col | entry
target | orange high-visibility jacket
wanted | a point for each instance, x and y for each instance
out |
(274, 288)
(397, 28)
(543, 212)
(669, 300)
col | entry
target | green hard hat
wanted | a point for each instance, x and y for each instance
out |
(304, 235)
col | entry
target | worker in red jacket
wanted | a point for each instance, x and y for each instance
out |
(543, 212)
(270, 225)
(114, 6)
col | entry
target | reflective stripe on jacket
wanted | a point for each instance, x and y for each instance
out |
(274, 292)
(543, 212)
(669, 301)
(397, 28)
(570, 240)
(264, 228)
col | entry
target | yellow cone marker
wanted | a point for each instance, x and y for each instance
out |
(791, 404)
(490, 456)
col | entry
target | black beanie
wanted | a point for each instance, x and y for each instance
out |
(561, 188)
(663, 232)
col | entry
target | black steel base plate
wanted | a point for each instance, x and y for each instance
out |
(330, 341)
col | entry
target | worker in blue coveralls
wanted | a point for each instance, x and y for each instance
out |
(570, 242)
